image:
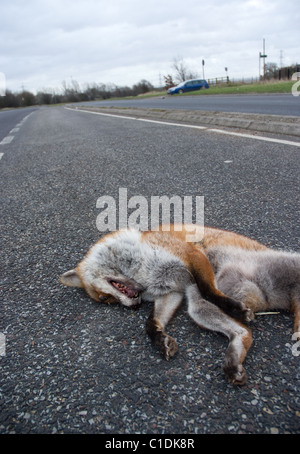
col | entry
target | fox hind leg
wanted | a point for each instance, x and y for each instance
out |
(235, 284)
(209, 316)
(164, 309)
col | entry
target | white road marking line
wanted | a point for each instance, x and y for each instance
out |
(249, 136)
(26, 118)
(7, 140)
(139, 119)
(1, 154)
(219, 131)
(169, 123)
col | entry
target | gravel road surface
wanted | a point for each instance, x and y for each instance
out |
(74, 366)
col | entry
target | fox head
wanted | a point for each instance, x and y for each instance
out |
(107, 288)
(102, 273)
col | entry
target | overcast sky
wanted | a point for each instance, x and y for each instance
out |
(46, 42)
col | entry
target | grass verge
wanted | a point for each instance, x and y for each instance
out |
(268, 87)
(234, 89)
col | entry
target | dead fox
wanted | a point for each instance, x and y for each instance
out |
(224, 276)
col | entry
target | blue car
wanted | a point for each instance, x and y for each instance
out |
(188, 85)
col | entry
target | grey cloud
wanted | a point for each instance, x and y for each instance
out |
(44, 42)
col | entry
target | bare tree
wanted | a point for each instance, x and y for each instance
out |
(182, 72)
(272, 70)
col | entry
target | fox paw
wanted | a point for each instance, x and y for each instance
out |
(249, 315)
(236, 374)
(296, 336)
(169, 347)
(244, 315)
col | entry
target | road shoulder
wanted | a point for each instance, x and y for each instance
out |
(274, 124)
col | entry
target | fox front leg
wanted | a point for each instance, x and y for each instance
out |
(164, 309)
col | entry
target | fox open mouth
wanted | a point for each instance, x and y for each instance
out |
(128, 290)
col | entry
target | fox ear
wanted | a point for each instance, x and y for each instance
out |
(71, 279)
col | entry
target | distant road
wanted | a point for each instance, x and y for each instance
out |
(9, 119)
(277, 104)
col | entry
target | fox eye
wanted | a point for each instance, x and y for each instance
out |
(102, 298)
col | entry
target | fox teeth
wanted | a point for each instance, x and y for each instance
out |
(125, 290)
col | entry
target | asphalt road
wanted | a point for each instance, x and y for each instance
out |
(277, 104)
(74, 366)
